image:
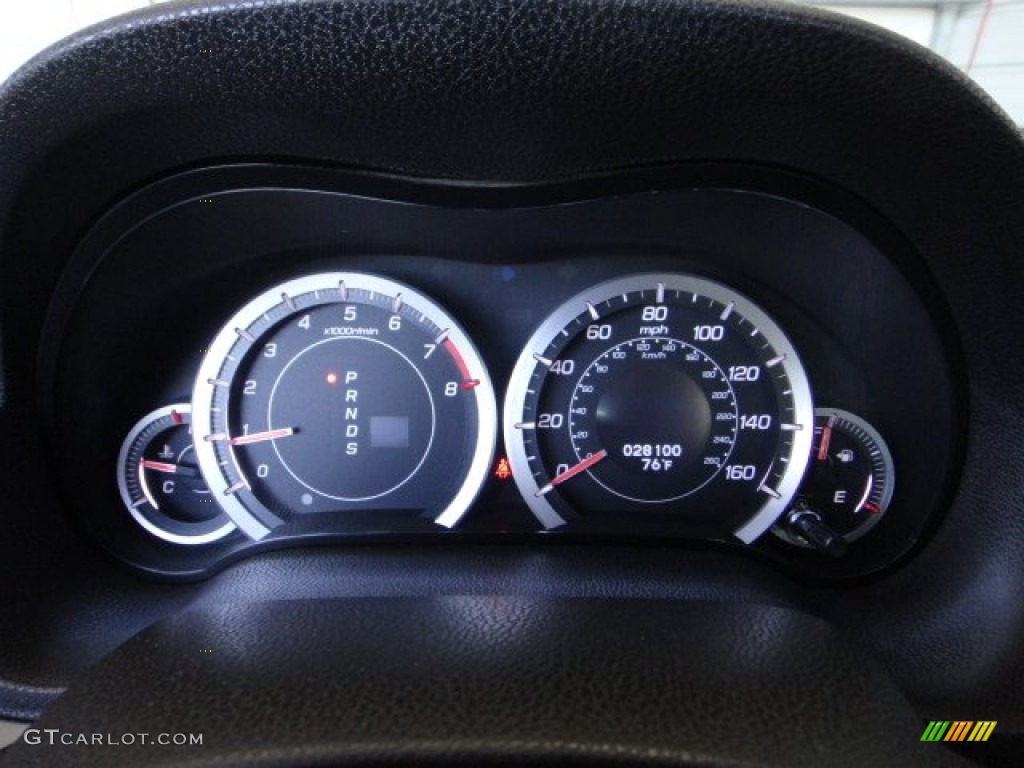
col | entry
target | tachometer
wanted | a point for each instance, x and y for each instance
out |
(347, 396)
(660, 396)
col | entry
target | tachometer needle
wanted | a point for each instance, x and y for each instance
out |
(583, 466)
(259, 437)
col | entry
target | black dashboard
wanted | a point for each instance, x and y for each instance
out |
(155, 280)
(673, 349)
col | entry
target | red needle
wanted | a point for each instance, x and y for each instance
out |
(826, 437)
(159, 466)
(259, 437)
(584, 465)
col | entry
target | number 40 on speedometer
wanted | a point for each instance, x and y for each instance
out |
(667, 396)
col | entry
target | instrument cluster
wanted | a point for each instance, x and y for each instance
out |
(669, 365)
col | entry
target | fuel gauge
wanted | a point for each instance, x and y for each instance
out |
(847, 487)
(160, 481)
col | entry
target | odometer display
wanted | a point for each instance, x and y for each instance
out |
(660, 396)
(342, 394)
(659, 454)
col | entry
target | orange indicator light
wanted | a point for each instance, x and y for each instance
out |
(502, 471)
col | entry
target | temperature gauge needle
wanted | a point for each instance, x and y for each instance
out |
(584, 465)
(159, 466)
(186, 470)
(259, 437)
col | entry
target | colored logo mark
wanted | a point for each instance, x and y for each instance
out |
(958, 730)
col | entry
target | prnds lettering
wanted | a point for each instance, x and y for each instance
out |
(351, 413)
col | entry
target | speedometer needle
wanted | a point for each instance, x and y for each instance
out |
(584, 465)
(259, 437)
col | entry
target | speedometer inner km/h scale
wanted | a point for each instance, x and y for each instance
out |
(663, 395)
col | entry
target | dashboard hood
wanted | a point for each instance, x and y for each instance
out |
(524, 654)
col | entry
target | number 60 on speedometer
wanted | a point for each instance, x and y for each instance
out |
(664, 397)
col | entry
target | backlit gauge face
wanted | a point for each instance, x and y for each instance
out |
(664, 396)
(160, 483)
(849, 482)
(343, 392)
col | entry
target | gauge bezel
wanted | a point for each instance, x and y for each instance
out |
(887, 466)
(228, 337)
(571, 309)
(140, 426)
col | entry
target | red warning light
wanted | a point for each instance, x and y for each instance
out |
(332, 378)
(502, 471)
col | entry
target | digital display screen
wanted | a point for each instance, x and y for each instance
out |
(389, 432)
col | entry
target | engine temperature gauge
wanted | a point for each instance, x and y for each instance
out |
(847, 488)
(160, 482)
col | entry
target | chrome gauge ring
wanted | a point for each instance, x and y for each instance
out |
(342, 393)
(160, 483)
(663, 395)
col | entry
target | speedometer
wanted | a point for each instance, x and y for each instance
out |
(339, 402)
(668, 397)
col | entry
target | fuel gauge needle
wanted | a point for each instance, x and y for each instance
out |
(583, 466)
(826, 438)
(259, 437)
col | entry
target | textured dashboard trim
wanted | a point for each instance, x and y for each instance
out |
(535, 91)
(492, 681)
